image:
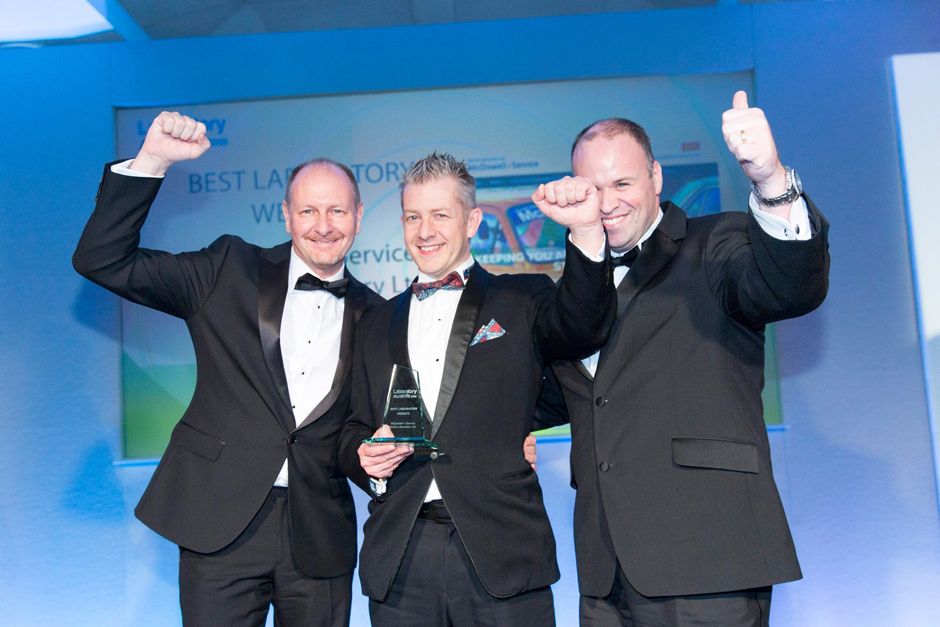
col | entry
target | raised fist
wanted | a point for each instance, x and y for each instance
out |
(574, 203)
(172, 138)
(569, 201)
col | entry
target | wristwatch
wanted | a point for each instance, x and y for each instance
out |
(794, 191)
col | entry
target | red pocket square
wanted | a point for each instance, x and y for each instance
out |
(489, 331)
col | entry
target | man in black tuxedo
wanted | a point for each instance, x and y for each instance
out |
(463, 539)
(677, 517)
(248, 487)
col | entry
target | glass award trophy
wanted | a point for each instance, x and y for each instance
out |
(404, 411)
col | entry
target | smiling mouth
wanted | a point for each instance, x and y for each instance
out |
(613, 221)
(322, 242)
(430, 249)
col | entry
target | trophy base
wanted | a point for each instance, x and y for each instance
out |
(417, 442)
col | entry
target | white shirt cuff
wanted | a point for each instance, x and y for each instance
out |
(598, 256)
(123, 169)
(797, 228)
(378, 486)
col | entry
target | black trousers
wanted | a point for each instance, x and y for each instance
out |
(438, 586)
(625, 607)
(234, 587)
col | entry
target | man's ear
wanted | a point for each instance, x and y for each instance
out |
(473, 221)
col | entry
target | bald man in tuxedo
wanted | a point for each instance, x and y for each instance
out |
(677, 517)
(248, 486)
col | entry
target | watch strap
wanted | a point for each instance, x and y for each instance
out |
(792, 192)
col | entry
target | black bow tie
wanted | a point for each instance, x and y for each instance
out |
(308, 283)
(626, 260)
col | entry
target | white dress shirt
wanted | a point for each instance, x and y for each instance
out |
(311, 330)
(429, 324)
(797, 228)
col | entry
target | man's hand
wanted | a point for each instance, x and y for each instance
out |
(172, 138)
(574, 203)
(749, 139)
(528, 448)
(380, 460)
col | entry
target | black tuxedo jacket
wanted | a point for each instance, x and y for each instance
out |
(669, 450)
(484, 412)
(230, 444)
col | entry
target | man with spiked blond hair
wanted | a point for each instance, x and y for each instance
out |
(463, 538)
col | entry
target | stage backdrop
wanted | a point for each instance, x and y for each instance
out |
(917, 92)
(512, 137)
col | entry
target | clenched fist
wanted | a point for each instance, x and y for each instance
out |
(574, 203)
(172, 138)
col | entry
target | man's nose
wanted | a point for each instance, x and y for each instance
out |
(322, 224)
(608, 201)
(425, 231)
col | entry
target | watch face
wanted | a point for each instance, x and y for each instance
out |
(797, 184)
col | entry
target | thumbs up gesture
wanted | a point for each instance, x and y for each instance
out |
(749, 139)
(171, 138)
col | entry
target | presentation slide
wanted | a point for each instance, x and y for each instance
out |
(916, 93)
(513, 137)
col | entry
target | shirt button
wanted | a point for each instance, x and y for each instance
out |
(604, 466)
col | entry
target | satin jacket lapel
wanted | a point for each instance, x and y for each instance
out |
(398, 333)
(272, 290)
(461, 334)
(352, 310)
(655, 255)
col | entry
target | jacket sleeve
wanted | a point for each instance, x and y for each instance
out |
(360, 424)
(758, 279)
(574, 320)
(550, 410)
(109, 252)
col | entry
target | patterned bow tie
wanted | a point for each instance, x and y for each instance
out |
(452, 281)
(626, 260)
(309, 283)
